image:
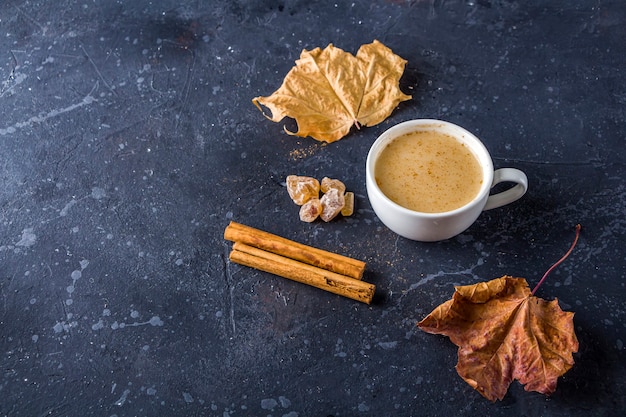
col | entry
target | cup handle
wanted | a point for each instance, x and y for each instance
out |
(510, 195)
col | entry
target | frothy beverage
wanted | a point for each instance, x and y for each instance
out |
(428, 171)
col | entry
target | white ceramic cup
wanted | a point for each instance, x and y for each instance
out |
(430, 227)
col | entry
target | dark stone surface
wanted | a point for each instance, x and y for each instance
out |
(128, 141)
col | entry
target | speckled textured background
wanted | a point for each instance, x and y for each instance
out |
(128, 141)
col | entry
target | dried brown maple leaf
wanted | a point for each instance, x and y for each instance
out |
(329, 90)
(504, 333)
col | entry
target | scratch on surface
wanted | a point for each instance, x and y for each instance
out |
(187, 86)
(32, 20)
(228, 276)
(430, 277)
(16, 79)
(120, 402)
(42, 117)
(95, 67)
(395, 247)
(65, 210)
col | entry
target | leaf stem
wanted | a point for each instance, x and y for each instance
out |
(578, 227)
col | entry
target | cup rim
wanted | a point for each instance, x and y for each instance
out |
(401, 128)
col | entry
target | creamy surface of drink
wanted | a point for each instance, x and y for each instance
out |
(428, 171)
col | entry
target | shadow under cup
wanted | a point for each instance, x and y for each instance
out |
(429, 227)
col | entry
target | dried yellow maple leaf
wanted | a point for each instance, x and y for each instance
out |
(329, 90)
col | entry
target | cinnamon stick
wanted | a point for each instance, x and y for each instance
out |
(329, 261)
(298, 271)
